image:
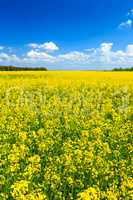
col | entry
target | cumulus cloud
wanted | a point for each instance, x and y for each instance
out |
(40, 56)
(8, 59)
(130, 13)
(105, 51)
(126, 24)
(1, 48)
(51, 46)
(33, 45)
(48, 46)
(129, 50)
(119, 57)
(104, 55)
(106, 48)
(75, 56)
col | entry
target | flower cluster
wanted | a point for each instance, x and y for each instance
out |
(66, 135)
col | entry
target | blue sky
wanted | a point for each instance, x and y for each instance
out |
(67, 34)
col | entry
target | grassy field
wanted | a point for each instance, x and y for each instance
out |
(66, 135)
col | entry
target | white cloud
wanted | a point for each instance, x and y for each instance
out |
(129, 50)
(4, 57)
(126, 24)
(48, 46)
(106, 48)
(130, 12)
(75, 56)
(91, 50)
(105, 51)
(40, 56)
(102, 56)
(33, 45)
(1, 48)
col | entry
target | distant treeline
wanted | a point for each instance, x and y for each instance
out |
(123, 69)
(13, 68)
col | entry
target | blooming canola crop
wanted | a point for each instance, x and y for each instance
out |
(66, 135)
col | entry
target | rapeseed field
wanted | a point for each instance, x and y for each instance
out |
(66, 135)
